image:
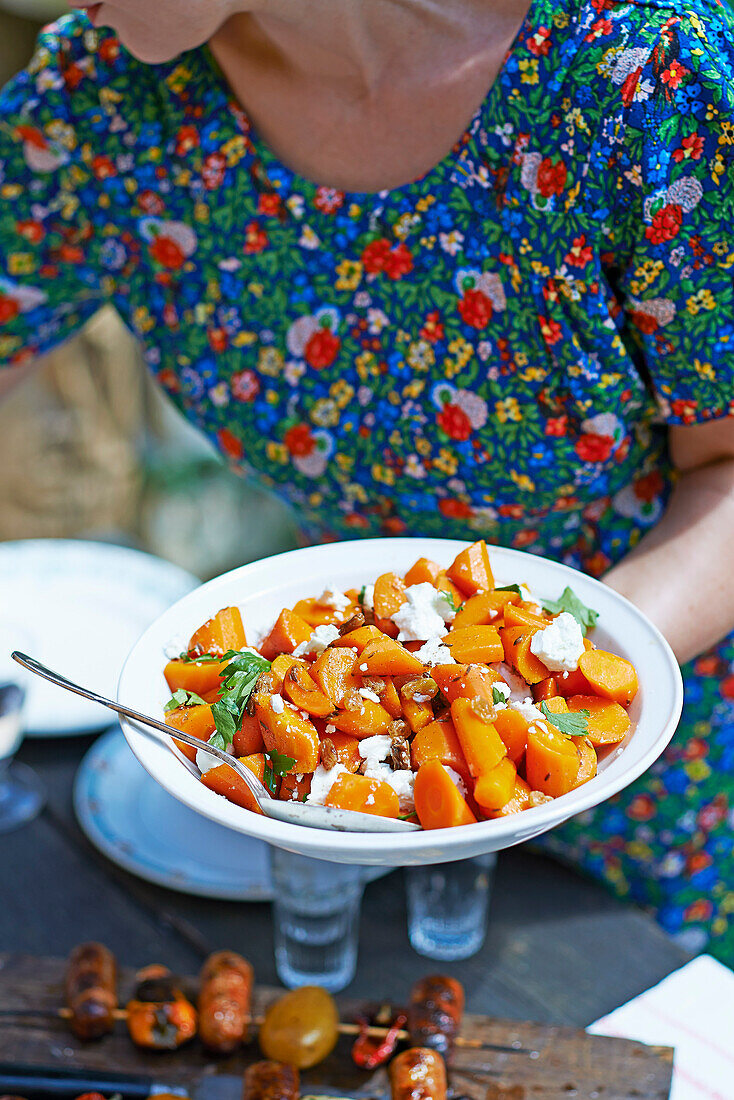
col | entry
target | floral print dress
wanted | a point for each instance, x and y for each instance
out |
(496, 349)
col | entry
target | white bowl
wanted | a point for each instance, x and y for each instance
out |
(262, 588)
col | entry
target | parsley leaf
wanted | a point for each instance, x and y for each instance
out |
(183, 698)
(585, 616)
(509, 588)
(497, 695)
(276, 764)
(217, 739)
(238, 681)
(362, 591)
(574, 724)
(207, 658)
(450, 599)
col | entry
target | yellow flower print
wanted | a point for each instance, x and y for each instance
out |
(11, 191)
(697, 770)
(62, 133)
(726, 134)
(521, 359)
(421, 355)
(425, 203)
(404, 224)
(414, 388)
(702, 299)
(315, 499)
(356, 492)
(21, 263)
(349, 274)
(270, 361)
(142, 320)
(637, 849)
(271, 396)
(342, 393)
(705, 369)
(355, 210)
(532, 374)
(277, 452)
(393, 398)
(383, 474)
(234, 149)
(507, 409)
(344, 462)
(244, 339)
(202, 213)
(528, 67)
(523, 481)
(202, 312)
(446, 461)
(366, 365)
(396, 439)
(525, 246)
(178, 79)
(450, 368)
(423, 447)
(561, 19)
(325, 413)
(539, 268)
(428, 242)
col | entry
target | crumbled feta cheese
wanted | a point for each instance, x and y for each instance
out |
(334, 597)
(528, 709)
(424, 613)
(277, 703)
(363, 668)
(367, 693)
(525, 593)
(174, 648)
(502, 688)
(422, 698)
(205, 761)
(373, 751)
(319, 640)
(434, 652)
(370, 799)
(560, 644)
(456, 780)
(368, 600)
(322, 781)
(330, 728)
(402, 782)
(518, 687)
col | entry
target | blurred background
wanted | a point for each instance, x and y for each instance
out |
(90, 449)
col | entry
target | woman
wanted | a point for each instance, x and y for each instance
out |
(526, 333)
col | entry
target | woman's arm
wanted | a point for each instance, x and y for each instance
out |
(681, 574)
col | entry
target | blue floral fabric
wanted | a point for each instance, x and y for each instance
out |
(496, 349)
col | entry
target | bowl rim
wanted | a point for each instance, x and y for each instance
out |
(421, 846)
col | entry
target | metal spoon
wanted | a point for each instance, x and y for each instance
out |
(297, 813)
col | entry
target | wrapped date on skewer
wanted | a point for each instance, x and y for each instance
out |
(435, 1012)
(418, 1074)
(90, 990)
(160, 1016)
(224, 1001)
(271, 1081)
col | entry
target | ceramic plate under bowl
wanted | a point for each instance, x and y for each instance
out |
(139, 826)
(81, 605)
(262, 588)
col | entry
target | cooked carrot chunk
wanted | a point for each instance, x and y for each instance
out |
(438, 803)
(470, 569)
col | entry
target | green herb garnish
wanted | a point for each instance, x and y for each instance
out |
(238, 681)
(574, 724)
(276, 763)
(497, 695)
(183, 698)
(362, 591)
(509, 588)
(450, 599)
(585, 616)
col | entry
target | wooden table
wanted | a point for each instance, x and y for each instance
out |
(560, 950)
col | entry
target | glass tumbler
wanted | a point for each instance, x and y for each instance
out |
(316, 920)
(21, 791)
(447, 907)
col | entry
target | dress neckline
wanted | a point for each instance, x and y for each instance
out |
(289, 181)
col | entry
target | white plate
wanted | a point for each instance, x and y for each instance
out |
(135, 823)
(262, 588)
(81, 605)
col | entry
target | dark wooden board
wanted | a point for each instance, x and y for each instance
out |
(539, 1062)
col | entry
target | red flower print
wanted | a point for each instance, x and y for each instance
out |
(394, 525)
(695, 749)
(690, 147)
(299, 440)
(9, 309)
(698, 861)
(103, 168)
(322, 348)
(168, 253)
(556, 425)
(269, 203)
(641, 808)
(31, 230)
(256, 239)
(328, 199)
(213, 170)
(674, 74)
(649, 487)
(580, 252)
(701, 909)
(433, 328)
(218, 339)
(551, 177)
(395, 261)
(594, 448)
(187, 139)
(727, 687)
(355, 520)
(230, 444)
(599, 29)
(454, 421)
(511, 511)
(713, 813)
(645, 322)
(475, 308)
(539, 42)
(597, 564)
(685, 410)
(706, 666)
(630, 86)
(71, 254)
(31, 136)
(666, 224)
(245, 385)
(455, 509)
(550, 330)
(73, 76)
(524, 538)
(150, 203)
(109, 49)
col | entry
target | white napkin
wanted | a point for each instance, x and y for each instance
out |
(692, 1010)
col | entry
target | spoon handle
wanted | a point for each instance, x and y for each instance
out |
(259, 791)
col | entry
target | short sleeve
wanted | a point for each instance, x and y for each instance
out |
(48, 283)
(676, 207)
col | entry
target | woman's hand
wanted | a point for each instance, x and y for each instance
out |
(681, 574)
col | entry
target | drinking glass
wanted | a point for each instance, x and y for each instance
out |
(21, 792)
(447, 907)
(316, 913)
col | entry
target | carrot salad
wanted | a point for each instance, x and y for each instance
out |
(437, 696)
